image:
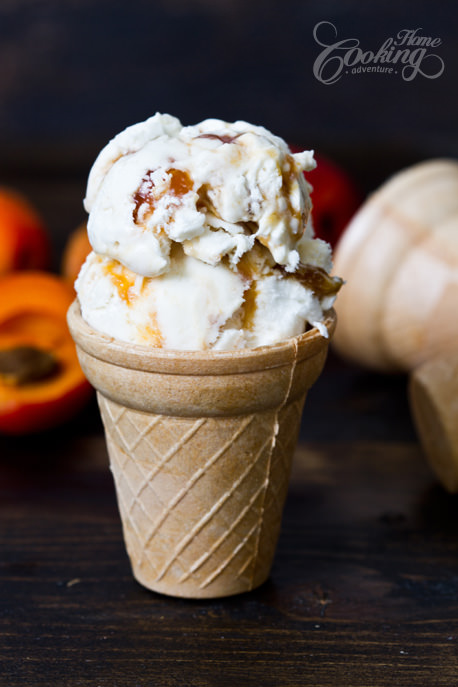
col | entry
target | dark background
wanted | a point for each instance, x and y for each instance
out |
(73, 73)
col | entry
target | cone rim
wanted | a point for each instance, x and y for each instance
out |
(139, 357)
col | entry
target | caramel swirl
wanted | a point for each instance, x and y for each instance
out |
(318, 280)
(224, 138)
(180, 183)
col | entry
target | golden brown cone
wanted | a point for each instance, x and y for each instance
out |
(200, 445)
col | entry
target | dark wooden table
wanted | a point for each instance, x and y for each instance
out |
(364, 589)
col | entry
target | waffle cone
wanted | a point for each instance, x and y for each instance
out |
(200, 447)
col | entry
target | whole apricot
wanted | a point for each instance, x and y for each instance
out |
(76, 251)
(335, 197)
(24, 242)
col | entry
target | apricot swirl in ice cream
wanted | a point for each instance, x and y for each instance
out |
(202, 238)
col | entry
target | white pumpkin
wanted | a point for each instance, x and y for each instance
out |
(399, 257)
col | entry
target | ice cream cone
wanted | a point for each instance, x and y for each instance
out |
(200, 446)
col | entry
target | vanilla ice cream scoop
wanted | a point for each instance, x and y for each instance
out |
(202, 238)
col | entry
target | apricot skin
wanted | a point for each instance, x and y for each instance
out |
(24, 242)
(75, 253)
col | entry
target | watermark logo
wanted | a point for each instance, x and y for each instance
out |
(408, 54)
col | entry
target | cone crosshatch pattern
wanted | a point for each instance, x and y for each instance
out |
(198, 514)
(200, 446)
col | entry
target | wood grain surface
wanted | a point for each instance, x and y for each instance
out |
(364, 589)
